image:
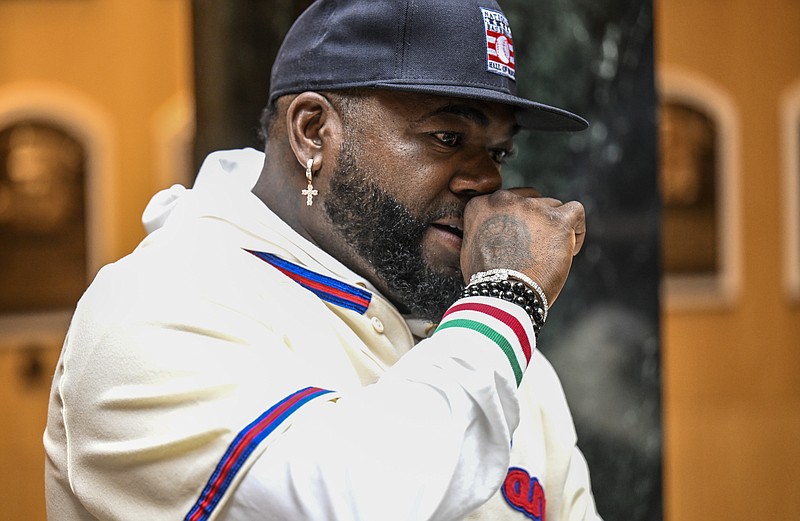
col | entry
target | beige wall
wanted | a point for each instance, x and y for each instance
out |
(121, 70)
(731, 374)
(121, 61)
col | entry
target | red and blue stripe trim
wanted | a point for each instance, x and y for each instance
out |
(242, 446)
(327, 288)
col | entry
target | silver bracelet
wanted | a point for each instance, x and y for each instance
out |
(498, 274)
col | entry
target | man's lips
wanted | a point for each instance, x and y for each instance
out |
(454, 228)
(448, 234)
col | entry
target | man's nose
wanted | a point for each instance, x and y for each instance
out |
(477, 176)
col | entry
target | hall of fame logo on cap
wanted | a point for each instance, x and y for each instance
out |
(499, 45)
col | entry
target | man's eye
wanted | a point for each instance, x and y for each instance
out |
(450, 139)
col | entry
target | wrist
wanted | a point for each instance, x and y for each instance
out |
(512, 286)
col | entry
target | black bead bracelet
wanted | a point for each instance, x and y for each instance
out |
(513, 291)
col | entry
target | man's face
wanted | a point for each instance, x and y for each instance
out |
(407, 166)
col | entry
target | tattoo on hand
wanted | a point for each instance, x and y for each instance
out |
(502, 241)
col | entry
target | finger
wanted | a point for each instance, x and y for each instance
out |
(550, 201)
(580, 237)
(526, 191)
(576, 217)
(531, 192)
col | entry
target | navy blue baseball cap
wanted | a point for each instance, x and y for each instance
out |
(458, 48)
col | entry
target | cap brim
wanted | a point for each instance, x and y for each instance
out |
(531, 114)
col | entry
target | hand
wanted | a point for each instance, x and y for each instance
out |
(518, 229)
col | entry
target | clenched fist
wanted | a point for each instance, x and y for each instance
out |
(518, 230)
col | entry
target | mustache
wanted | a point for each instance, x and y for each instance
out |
(450, 210)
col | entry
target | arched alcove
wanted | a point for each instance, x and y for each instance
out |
(43, 228)
(36, 119)
(699, 179)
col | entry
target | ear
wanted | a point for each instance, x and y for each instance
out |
(314, 128)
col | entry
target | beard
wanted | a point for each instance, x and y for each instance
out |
(389, 237)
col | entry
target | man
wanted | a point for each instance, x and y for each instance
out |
(271, 349)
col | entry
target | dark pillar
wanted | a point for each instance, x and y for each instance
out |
(596, 57)
(235, 42)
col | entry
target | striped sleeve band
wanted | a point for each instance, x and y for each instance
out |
(499, 321)
(241, 448)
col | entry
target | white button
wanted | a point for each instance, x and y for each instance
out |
(377, 324)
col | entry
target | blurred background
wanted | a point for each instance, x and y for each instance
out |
(678, 337)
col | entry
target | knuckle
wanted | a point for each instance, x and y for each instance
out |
(576, 207)
(502, 197)
(474, 203)
(572, 211)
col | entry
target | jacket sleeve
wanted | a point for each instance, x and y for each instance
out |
(429, 440)
(169, 403)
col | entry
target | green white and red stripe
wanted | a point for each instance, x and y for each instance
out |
(487, 317)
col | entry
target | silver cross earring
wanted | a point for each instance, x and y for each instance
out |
(309, 192)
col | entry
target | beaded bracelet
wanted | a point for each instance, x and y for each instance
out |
(499, 274)
(512, 291)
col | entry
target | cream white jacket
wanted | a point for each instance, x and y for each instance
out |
(228, 369)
